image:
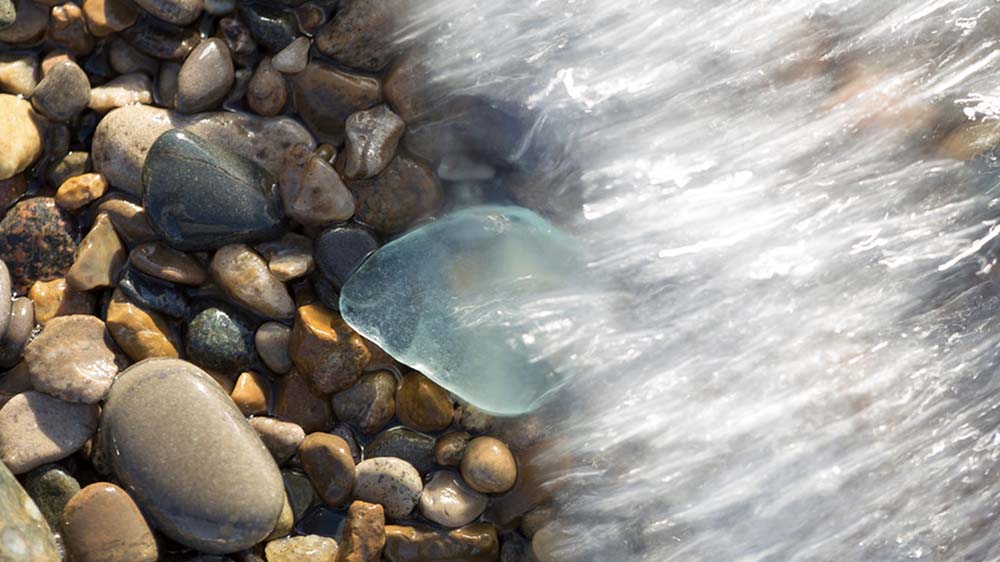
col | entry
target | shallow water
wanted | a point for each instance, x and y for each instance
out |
(799, 360)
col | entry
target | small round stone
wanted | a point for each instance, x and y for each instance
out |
(272, 345)
(54, 299)
(327, 461)
(220, 340)
(293, 58)
(450, 447)
(244, 276)
(281, 438)
(488, 466)
(326, 350)
(370, 403)
(22, 134)
(51, 487)
(372, 138)
(251, 393)
(289, 257)
(29, 24)
(449, 502)
(267, 91)
(37, 241)
(341, 249)
(163, 262)
(311, 191)
(79, 191)
(423, 405)
(102, 524)
(389, 481)
(72, 359)
(63, 92)
(307, 548)
(205, 77)
(141, 333)
(36, 429)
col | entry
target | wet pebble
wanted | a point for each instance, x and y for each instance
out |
(26, 536)
(271, 26)
(361, 33)
(205, 77)
(308, 548)
(22, 324)
(267, 91)
(293, 58)
(404, 443)
(36, 429)
(370, 403)
(251, 393)
(450, 447)
(201, 196)
(154, 294)
(68, 27)
(105, 17)
(179, 12)
(298, 403)
(402, 193)
(328, 463)
(221, 340)
(37, 241)
(473, 543)
(289, 257)
(22, 133)
(488, 466)
(63, 92)
(181, 446)
(73, 359)
(363, 537)
(130, 220)
(18, 74)
(29, 23)
(341, 249)
(79, 191)
(99, 258)
(449, 502)
(163, 262)
(55, 299)
(281, 438)
(372, 137)
(51, 487)
(127, 89)
(326, 350)
(271, 341)
(325, 97)
(102, 524)
(244, 276)
(311, 190)
(392, 482)
(141, 333)
(423, 405)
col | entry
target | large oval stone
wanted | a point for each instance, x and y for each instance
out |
(183, 450)
(201, 196)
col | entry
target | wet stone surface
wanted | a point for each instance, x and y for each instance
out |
(221, 340)
(73, 359)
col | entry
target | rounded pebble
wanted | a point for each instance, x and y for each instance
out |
(220, 340)
(22, 324)
(327, 461)
(370, 403)
(22, 134)
(141, 333)
(389, 481)
(423, 405)
(51, 487)
(271, 341)
(244, 276)
(101, 523)
(63, 92)
(79, 191)
(267, 91)
(178, 12)
(293, 58)
(326, 350)
(37, 241)
(281, 438)
(99, 258)
(311, 191)
(54, 299)
(488, 466)
(449, 502)
(250, 393)
(161, 261)
(450, 447)
(205, 77)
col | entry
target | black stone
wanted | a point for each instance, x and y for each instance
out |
(221, 340)
(322, 521)
(272, 27)
(341, 249)
(160, 39)
(200, 196)
(154, 294)
(400, 442)
(325, 291)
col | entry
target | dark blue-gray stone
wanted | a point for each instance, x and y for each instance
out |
(271, 26)
(403, 443)
(341, 249)
(200, 196)
(221, 340)
(154, 294)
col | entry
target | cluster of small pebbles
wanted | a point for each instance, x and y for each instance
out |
(184, 186)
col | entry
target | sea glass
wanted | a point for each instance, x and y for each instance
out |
(473, 301)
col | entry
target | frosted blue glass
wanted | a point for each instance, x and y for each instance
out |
(472, 301)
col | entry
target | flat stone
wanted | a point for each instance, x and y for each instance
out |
(68, 27)
(325, 350)
(99, 258)
(205, 77)
(63, 92)
(18, 74)
(251, 393)
(449, 502)
(289, 257)
(389, 481)
(423, 405)
(179, 12)
(298, 403)
(267, 91)
(154, 294)
(341, 249)
(36, 429)
(105, 17)
(473, 543)
(102, 523)
(401, 194)
(364, 533)
(37, 241)
(163, 262)
(271, 341)
(128, 89)
(327, 461)
(79, 191)
(29, 24)
(370, 403)
(488, 466)
(22, 134)
(130, 220)
(200, 196)
(160, 39)
(403, 443)
(245, 278)
(293, 58)
(72, 359)
(325, 97)
(362, 34)
(54, 299)
(26, 535)
(22, 324)
(221, 340)
(450, 447)
(272, 27)
(51, 487)
(308, 548)
(372, 138)
(181, 447)
(141, 333)
(124, 136)
(281, 438)
(311, 191)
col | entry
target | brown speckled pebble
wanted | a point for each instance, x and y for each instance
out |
(73, 359)
(79, 191)
(473, 543)
(267, 91)
(389, 481)
(364, 533)
(243, 275)
(326, 350)
(450, 447)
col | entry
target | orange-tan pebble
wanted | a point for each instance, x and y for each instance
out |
(79, 191)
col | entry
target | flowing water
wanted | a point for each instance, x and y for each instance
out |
(798, 355)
